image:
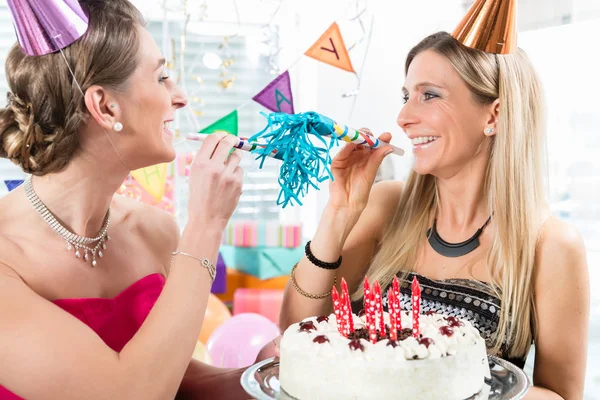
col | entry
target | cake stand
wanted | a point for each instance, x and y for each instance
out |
(508, 382)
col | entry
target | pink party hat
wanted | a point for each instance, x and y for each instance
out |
(46, 26)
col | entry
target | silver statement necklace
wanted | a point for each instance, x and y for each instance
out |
(90, 246)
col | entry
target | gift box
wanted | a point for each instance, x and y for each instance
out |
(220, 283)
(262, 234)
(266, 302)
(234, 280)
(239, 280)
(262, 262)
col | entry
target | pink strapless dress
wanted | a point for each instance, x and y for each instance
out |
(115, 320)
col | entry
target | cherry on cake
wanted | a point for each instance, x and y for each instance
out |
(381, 355)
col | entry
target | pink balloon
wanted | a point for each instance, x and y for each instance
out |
(237, 341)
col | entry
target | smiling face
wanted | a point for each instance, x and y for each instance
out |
(441, 116)
(147, 107)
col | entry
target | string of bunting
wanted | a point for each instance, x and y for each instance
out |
(277, 97)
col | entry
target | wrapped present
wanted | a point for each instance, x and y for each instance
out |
(262, 262)
(266, 302)
(220, 283)
(262, 234)
(234, 280)
(239, 280)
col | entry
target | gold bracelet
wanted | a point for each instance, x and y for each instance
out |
(306, 294)
(205, 262)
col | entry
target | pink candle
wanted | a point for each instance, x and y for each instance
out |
(392, 311)
(348, 307)
(416, 306)
(335, 299)
(379, 308)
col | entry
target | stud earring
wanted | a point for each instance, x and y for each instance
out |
(118, 127)
(113, 106)
(489, 131)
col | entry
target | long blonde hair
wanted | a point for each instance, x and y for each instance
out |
(514, 180)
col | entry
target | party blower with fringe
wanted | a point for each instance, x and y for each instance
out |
(303, 143)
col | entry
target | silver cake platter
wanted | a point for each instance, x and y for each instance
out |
(507, 382)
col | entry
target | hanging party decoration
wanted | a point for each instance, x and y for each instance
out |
(330, 49)
(228, 123)
(277, 95)
(13, 184)
(152, 179)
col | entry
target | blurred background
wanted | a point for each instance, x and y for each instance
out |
(225, 52)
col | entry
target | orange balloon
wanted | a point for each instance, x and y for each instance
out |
(201, 354)
(216, 313)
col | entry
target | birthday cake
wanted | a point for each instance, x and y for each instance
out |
(381, 355)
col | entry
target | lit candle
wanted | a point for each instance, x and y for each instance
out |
(392, 311)
(416, 307)
(335, 298)
(348, 307)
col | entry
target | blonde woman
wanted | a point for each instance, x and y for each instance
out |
(471, 221)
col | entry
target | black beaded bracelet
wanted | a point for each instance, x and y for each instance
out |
(319, 263)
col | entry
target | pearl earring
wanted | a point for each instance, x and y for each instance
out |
(118, 127)
(113, 106)
(489, 131)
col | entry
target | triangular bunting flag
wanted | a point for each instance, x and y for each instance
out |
(330, 49)
(12, 184)
(277, 95)
(152, 179)
(228, 123)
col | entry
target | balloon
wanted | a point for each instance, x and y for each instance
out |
(216, 313)
(237, 342)
(201, 354)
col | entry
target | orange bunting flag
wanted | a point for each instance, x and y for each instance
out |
(330, 49)
(152, 179)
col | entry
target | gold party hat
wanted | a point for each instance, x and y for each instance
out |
(490, 26)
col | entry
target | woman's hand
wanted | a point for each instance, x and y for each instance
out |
(215, 181)
(269, 350)
(354, 170)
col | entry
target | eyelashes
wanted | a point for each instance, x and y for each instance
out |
(426, 96)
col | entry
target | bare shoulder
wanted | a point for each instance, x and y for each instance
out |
(561, 253)
(158, 227)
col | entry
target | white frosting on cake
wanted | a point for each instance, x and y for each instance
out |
(451, 368)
